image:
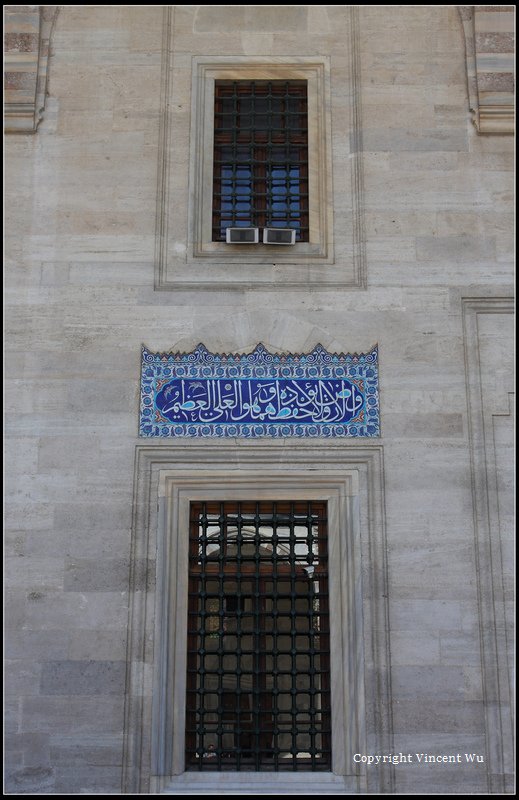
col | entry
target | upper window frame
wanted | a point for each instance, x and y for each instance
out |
(315, 71)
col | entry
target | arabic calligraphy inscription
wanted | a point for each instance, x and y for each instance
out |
(259, 394)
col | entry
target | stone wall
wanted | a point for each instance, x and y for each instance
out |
(436, 205)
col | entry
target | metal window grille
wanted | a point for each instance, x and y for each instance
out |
(258, 672)
(261, 156)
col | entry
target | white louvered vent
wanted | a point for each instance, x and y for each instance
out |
(279, 236)
(242, 235)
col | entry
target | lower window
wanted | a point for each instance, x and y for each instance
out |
(258, 668)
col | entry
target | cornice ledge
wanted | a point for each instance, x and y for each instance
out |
(28, 31)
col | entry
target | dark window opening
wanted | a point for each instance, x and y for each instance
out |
(258, 672)
(260, 156)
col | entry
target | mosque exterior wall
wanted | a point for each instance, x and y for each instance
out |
(105, 252)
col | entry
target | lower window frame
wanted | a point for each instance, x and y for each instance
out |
(345, 616)
(167, 478)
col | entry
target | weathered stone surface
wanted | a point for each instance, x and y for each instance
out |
(31, 780)
(82, 677)
(436, 224)
(111, 575)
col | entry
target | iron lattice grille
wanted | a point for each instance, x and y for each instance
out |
(260, 156)
(258, 674)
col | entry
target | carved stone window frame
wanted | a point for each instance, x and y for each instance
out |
(316, 72)
(167, 480)
(184, 256)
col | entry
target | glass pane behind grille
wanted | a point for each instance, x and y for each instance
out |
(258, 686)
(260, 156)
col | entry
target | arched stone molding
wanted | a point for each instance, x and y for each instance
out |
(490, 48)
(27, 36)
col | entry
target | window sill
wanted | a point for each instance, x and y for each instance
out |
(260, 783)
(260, 253)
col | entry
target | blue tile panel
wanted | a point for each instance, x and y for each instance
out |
(203, 394)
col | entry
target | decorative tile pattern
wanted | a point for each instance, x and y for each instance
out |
(203, 394)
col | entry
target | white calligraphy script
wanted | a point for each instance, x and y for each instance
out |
(228, 400)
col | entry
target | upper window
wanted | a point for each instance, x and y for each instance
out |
(260, 156)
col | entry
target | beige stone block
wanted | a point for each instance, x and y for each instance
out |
(76, 610)
(439, 716)
(74, 715)
(449, 223)
(218, 19)
(28, 515)
(111, 575)
(254, 44)
(414, 649)
(30, 748)
(391, 248)
(490, 144)
(487, 20)
(145, 32)
(427, 571)
(89, 780)
(439, 743)
(83, 88)
(423, 162)
(31, 780)
(429, 682)
(83, 678)
(33, 573)
(36, 646)
(422, 426)
(430, 616)
(22, 678)
(403, 223)
(417, 115)
(435, 779)
(102, 644)
(289, 19)
(438, 187)
(22, 454)
(42, 486)
(34, 397)
(84, 248)
(128, 119)
(450, 72)
(459, 649)
(86, 750)
(93, 543)
(449, 115)
(121, 223)
(422, 401)
(120, 274)
(14, 543)
(264, 19)
(458, 247)
(395, 37)
(505, 248)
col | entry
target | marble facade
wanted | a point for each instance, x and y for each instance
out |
(100, 259)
